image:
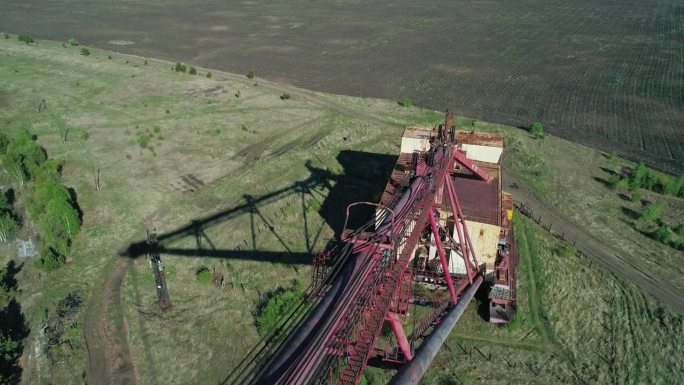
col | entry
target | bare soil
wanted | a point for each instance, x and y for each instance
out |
(109, 356)
(601, 73)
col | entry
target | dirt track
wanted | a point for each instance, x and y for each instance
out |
(595, 249)
(109, 358)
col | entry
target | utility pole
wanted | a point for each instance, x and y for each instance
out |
(158, 270)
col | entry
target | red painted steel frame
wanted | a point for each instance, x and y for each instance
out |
(377, 271)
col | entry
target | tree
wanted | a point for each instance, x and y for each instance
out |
(638, 175)
(613, 160)
(8, 227)
(652, 211)
(664, 234)
(537, 130)
(193, 71)
(25, 38)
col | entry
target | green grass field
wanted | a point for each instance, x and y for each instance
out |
(578, 324)
(205, 149)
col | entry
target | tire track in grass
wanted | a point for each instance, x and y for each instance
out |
(536, 308)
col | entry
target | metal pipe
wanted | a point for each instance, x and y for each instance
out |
(414, 371)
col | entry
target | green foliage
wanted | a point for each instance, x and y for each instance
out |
(203, 274)
(250, 74)
(109, 57)
(145, 62)
(193, 71)
(652, 211)
(568, 251)
(406, 102)
(622, 184)
(7, 36)
(284, 96)
(22, 157)
(49, 204)
(238, 94)
(613, 160)
(180, 67)
(50, 259)
(537, 129)
(8, 226)
(143, 140)
(208, 75)
(680, 229)
(25, 38)
(72, 42)
(664, 234)
(278, 304)
(637, 196)
(156, 129)
(85, 51)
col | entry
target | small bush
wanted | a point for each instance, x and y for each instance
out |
(244, 128)
(406, 102)
(203, 274)
(85, 135)
(208, 75)
(537, 130)
(568, 251)
(145, 62)
(156, 129)
(85, 51)
(143, 140)
(278, 304)
(250, 74)
(284, 96)
(109, 57)
(652, 211)
(50, 260)
(72, 42)
(7, 36)
(25, 38)
(192, 71)
(167, 111)
(180, 67)
(664, 234)
(238, 94)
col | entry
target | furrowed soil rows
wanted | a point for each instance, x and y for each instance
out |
(604, 73)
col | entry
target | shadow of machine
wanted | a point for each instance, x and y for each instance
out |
(363, 177)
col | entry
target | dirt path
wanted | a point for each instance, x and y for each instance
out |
(109, 356)
(593, 248)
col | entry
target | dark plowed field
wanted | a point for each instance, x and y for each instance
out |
(608, 73)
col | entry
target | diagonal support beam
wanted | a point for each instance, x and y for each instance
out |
(467, 163)
(460, 223)
(393, 319)
(442, 257)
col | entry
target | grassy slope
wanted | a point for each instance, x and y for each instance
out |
(602, 329)
(115, 101)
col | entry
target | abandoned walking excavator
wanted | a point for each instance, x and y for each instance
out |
(391, 291)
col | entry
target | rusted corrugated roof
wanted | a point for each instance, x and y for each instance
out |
(480, 138)
(480, 201)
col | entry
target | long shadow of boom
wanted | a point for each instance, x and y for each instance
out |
(363, 178)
